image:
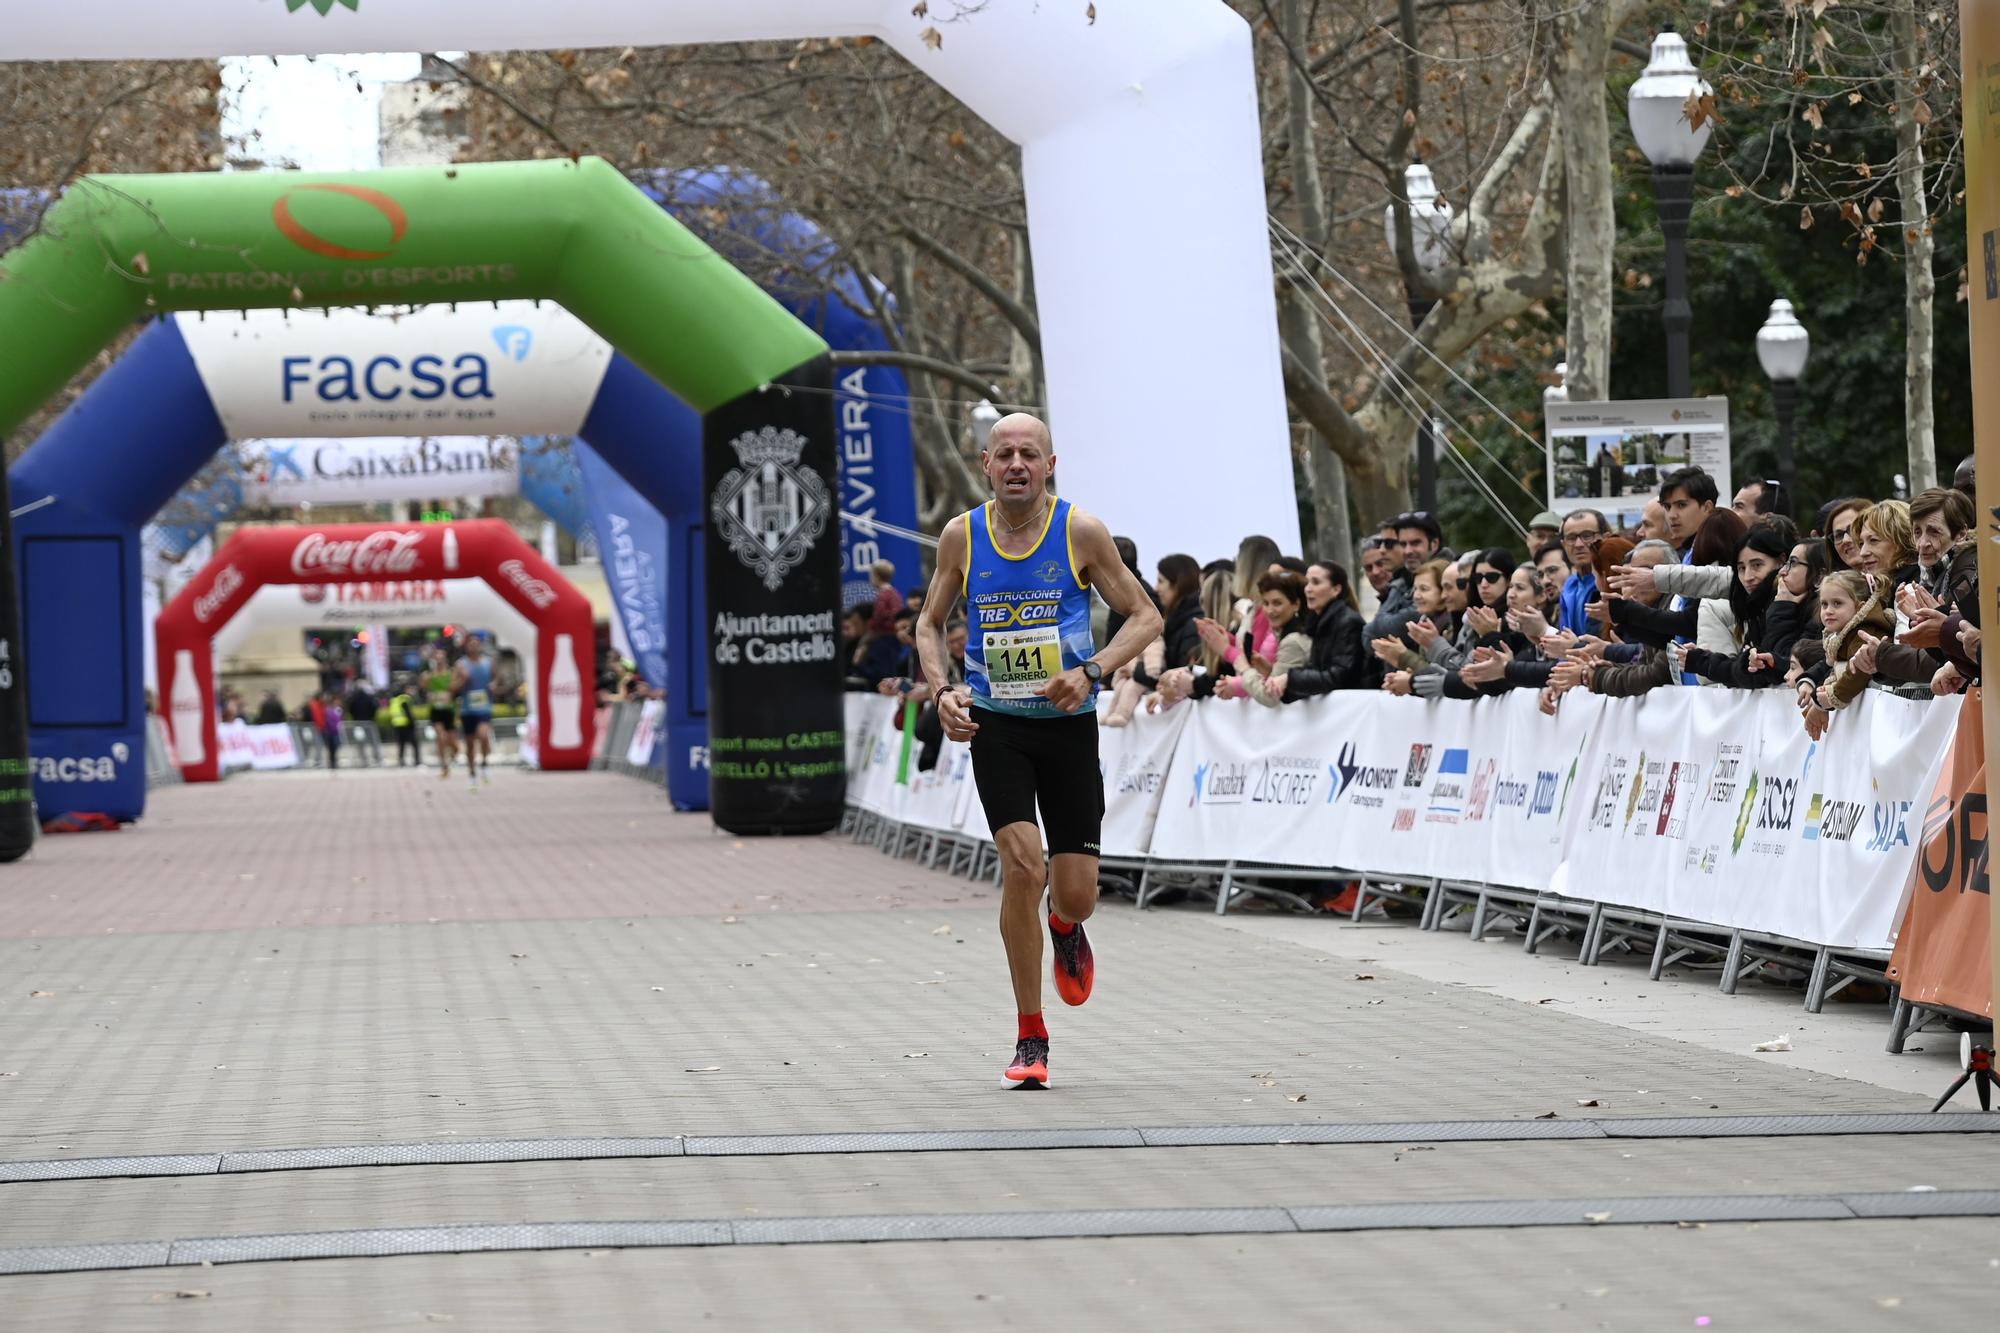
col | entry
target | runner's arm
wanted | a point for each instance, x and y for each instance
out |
(947, 587)
(1120, 590)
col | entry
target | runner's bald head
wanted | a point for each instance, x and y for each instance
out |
(1014, 423)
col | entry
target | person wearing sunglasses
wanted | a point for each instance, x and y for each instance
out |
(1484, 625)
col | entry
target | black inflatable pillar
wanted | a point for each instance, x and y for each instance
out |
(17, 787)
(776, 742)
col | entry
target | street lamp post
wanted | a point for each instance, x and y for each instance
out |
(1782, 347)
(1430, 228)
(1657, 106)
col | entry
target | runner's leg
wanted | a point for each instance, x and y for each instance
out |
(1073, 885)
(1021, 878)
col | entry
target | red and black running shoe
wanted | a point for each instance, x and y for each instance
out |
(1031, 1064)
(1074, 968)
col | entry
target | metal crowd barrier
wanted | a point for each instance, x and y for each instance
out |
(1596, 928)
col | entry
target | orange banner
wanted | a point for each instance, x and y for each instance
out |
(1941, 953)
(1979, 43)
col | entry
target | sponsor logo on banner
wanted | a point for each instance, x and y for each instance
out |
(1777, 806)
(1610, 787)
(1220, 783)
(774, 640)
(1650, 788)
(228, 581)
(1728, 769)
(532, 588)
(1638, 785)
(1743, 813)
(1891, 825)
(1544, 802)
(1449, 791)
(1136, 774)
(1682, 782)
(1406, 819)
(770, 509)
(1285, 780)
(1420, 765)
(87, 768)
(1830, 819)
(1482, 790)
(1362, 784)
(377, 553)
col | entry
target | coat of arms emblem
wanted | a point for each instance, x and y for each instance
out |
(770, 509)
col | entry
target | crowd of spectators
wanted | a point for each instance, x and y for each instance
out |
(1862, 594)
(1700, 591)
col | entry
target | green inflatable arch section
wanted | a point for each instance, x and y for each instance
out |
(116, 248)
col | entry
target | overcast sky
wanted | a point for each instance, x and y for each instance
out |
(318, 113)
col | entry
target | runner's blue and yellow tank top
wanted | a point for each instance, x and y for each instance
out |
(478, 697)
(1027, 616)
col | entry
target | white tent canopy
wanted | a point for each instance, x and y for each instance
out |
(1145, 193)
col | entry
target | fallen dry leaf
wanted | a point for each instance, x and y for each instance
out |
(1597, 1217)
(942, 930)
(1364, 976)
(40, 994)
(660, 988)
(915, 1055)
(1296, 1097)
(189, 1294)
(1587, 1101)
(705, 1069)
(1778, 1043)
(517, 955)
(1548, 1115)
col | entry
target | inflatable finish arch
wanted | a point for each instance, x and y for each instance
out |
(366, 553)
(1115, 118)
(574, 232)
(316, 376)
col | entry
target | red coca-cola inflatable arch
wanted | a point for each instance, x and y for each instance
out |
(368, 553)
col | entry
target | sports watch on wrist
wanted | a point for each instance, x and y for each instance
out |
(1093, 670)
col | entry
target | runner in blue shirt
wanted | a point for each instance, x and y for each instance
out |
(1025, 563)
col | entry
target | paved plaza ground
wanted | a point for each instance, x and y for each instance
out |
(687, 1079)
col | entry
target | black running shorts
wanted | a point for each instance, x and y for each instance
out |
(1020, 762)
(444, 719)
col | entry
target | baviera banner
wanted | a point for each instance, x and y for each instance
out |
(632, 544)
(1702, 805)
(1941, 953)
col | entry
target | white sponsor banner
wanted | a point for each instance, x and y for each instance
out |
(262, 747)
(1708, 806)
(508, 367)
(645, 732)
(341, 471)
(1136, 759)
(1722, 810)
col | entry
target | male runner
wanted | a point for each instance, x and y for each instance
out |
(472, 686)
(437, 689)
(1026, 562)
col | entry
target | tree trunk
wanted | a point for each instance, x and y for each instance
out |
(1576, 71)
(1919, 282)
(1331, 537)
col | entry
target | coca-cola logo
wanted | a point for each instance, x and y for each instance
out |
(226, 585)
(312, 592)
(377, 553)
(534, 589)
